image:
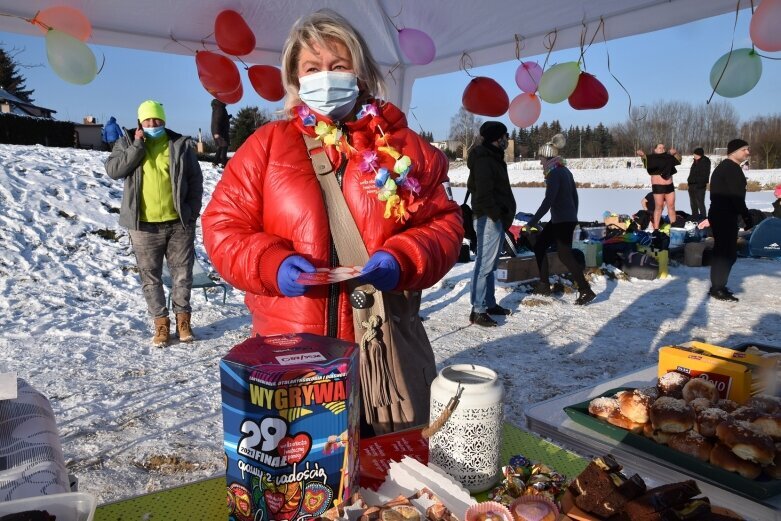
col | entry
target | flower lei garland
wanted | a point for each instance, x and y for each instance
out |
(397, 187)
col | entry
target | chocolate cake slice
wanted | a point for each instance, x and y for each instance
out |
(660, 499)
(625, 490)
(602, 488)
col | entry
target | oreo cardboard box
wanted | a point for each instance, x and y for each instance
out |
(291, 420)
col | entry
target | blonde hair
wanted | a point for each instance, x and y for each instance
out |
(324, 27)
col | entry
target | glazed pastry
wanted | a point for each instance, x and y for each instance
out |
(619, 420)
(708, 419)
(602, 407)
(765, 403)
(769, 425)
(671, 415)
(700, 388)
(746, 443)
(727, 405)
(723, 457)
(691, 443)
(635, 406)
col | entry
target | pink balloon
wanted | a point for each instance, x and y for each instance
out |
(764, 26)
(525, 109)
(417, 46)
(528, 75)
(66, 19)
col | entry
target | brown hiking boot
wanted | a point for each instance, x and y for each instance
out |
(183, 327)
(162, 332)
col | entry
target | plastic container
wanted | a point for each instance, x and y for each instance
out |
(595, 233)
(70, 506)
(467, 446)
(677, 237)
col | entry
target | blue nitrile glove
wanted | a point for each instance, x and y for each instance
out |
(382, 271)
(289, 271)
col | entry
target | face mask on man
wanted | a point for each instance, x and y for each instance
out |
(331, 94)
(154, 132)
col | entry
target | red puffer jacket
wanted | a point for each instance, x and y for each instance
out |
(268, 206)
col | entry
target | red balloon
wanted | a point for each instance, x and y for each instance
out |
(230, 97)
(485, 97)
(232, 33)
(267, 81)
(216, 72)
(588, 94)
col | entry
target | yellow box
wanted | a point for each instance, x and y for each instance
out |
(732, 379)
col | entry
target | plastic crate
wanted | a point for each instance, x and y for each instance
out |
(69, 506)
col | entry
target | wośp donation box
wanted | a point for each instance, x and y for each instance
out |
(291, 421)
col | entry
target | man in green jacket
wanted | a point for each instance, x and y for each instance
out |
(161, 202)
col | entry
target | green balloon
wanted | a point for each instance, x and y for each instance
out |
(558, 82)
(742, 74)
(70, 58)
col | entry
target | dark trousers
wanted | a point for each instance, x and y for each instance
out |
(221, 156)
(561, 235)
(725, 248)
(697, 201)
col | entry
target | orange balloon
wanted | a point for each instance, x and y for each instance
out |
(69, 20)
(232, 33)
(217, 73)
(267, 81)
(232, 97)
(485, 97)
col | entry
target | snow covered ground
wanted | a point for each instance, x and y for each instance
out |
(133, 418)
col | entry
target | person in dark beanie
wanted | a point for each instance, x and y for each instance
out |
(220, 132)
(561, 198)
(727, 203)
(493, 207)
(699, 175)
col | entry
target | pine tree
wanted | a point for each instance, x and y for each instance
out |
(11, 80)
(245, 123)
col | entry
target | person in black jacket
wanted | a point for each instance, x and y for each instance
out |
(220, 131)
(727, 203)
(698, 181)
(493, 207)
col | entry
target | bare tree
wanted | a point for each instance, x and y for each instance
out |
(465, 128)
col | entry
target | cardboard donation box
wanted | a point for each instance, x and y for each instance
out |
(737, 375)
(290, 407)
(592, 251)
(519, 269)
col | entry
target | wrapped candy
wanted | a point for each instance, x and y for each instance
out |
(524, 478)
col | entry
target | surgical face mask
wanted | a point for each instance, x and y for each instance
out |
(154, 132)
(331, 94)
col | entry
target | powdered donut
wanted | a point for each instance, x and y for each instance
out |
(669, 414)
(634, 405)
(699, 404)
(691, 443)
(765, 403)
(655, 434)
(671, 384)
(769, 425)
(708, 419)
(722, 457)
(700, 388)
(746, 443)
(746, 413)
(602, 407)
(727, 405)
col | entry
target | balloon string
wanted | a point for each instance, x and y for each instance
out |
(551, 37)
(607, 53)
(171, 36)
(729, 55)
(519, 46)
(584, 35)
(390, 19)
(34, 20)
(466, 64)
(246, 67)
(412, 111)
(102, 63)
(391, 71)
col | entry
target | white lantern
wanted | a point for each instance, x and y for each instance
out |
(467, 446)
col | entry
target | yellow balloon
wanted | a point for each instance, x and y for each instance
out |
(70, 58)
(558, 82)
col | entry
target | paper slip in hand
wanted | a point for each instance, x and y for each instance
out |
(329, 275)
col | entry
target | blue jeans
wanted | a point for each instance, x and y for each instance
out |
(489, 240)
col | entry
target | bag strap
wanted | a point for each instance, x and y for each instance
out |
(344, 232)
(466, 197)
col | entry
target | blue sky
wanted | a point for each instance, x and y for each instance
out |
(673, 64)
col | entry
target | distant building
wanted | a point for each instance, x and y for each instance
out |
(90, 133)
(449, 144)
(10, 104)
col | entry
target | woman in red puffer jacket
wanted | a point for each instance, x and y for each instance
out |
(266, 222)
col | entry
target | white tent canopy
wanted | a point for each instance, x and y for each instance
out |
(485, 30)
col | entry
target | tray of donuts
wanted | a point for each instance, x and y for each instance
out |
(683, 421)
